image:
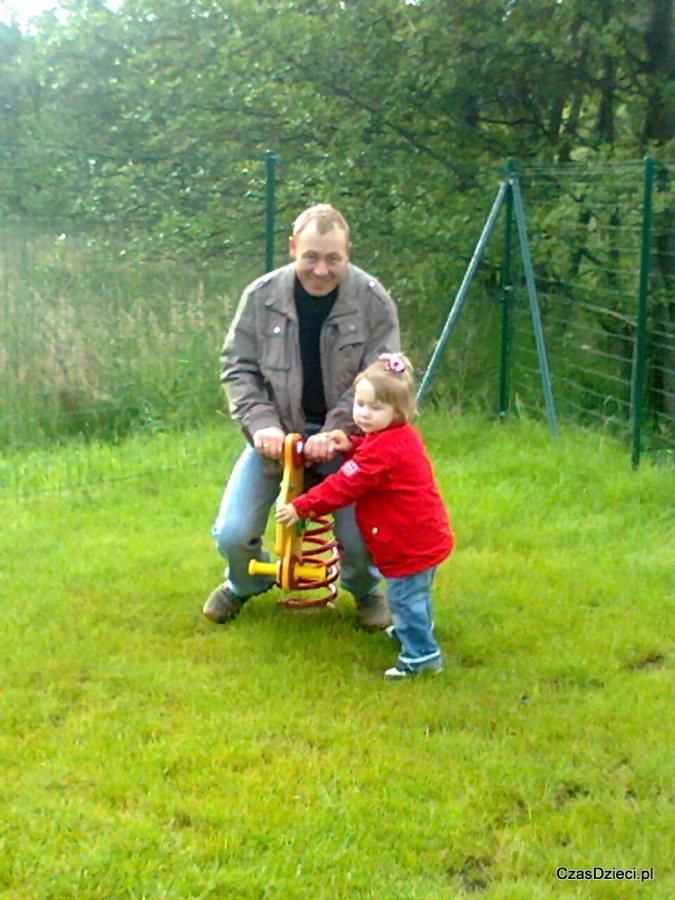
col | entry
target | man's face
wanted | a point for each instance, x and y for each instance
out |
(320, 259)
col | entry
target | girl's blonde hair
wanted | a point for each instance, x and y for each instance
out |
(391, 376)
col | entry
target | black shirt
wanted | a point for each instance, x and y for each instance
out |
(312, 313)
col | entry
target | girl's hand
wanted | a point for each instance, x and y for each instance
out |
(339, 441)
(286, 514)
(318, 448)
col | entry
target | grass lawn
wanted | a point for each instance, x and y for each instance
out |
(148, 754)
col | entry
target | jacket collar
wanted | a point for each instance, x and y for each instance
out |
(346, 304)
(281, 297)
(390, 429)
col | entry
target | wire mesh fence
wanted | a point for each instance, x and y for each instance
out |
(600, 250)
(97, 343)
(588, 232)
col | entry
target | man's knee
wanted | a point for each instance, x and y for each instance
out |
(354, 554)
(229, 534)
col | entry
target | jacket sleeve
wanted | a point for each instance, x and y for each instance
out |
(358, 476)
(382, 324)
(382, 336)
(356, 441)
(249, 399)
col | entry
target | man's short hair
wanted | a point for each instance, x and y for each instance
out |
(326, 218)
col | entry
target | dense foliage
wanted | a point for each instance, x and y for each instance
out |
(152, 122)
(158, 114)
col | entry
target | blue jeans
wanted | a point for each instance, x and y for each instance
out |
(410, 607)
(242, 518)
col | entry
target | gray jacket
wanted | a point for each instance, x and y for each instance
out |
(261, 369)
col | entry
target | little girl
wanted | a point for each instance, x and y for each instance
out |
(399, 510)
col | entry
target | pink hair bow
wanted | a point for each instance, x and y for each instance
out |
(392, 361)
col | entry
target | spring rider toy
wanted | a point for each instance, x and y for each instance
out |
(306, 558)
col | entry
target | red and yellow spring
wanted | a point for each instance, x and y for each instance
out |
(307, 555)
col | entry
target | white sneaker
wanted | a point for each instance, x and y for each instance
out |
(398, 674)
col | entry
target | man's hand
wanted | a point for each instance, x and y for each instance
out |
(269, 441)
(286, 514)
(319, 447)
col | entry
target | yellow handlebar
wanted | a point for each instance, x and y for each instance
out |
(288, 569)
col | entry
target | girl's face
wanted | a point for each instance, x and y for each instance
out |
(371, 414)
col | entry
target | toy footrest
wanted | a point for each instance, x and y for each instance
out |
(299, 572)
(310, 573)
(255, 567)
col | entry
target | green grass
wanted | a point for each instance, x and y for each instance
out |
(148, 754)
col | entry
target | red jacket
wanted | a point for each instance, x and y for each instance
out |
(398, 508)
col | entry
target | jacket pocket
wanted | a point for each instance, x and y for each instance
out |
(350, 343)
(349, 334)
(274, 352)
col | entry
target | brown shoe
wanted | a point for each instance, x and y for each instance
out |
(373, 612)
(223, 605)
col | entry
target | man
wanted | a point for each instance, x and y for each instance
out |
(299, 337)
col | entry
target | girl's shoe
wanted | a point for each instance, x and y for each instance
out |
(399, 672)
(390, 632)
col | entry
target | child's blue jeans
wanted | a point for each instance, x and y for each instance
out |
(410, 607)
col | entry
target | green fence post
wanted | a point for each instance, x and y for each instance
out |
(640, 355)
(534, 305)
(453, 315)
(269, 219)
(507, 290)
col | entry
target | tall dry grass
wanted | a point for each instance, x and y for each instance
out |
(94, 345)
